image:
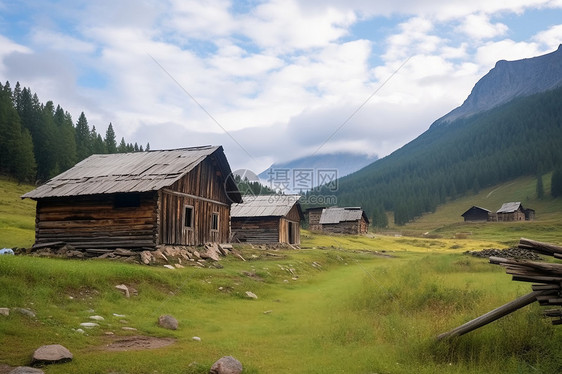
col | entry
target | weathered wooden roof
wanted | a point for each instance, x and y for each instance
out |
(510, 207)
(336, 215)
(474, 207)
(131, 172)
(265, 206)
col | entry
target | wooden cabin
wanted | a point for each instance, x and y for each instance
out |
(512, 211)
(267, 219)
(349, 220)
(314, 215)
(138, 200)
(476, 214)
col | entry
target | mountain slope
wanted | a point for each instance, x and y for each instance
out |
(509, 80)
(520, 137)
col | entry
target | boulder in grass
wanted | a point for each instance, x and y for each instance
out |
(168, 322)
(226, 365)
(51, 354)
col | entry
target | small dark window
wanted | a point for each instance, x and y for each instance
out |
(215, 221)
(126, 200)
(188, 219)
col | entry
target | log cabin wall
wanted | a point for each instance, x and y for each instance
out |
(348, 227)
(202, 191)
(314, 219)
(99, 221)
(259, 230)
(363, 226)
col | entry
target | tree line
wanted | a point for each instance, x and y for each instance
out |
(450, 160)
(39, 141)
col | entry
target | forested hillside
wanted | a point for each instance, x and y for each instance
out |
(523, 137)
(39, 141)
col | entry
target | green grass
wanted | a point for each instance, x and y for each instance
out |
(375, 304)
(358, 313)
(17, 216)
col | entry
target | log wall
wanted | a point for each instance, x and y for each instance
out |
(98, 221)
(350, 227)
(203, 190)
(258, 230)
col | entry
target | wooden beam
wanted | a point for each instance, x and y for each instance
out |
(492, 315)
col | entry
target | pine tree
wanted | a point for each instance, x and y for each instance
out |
(556, 183)
(122, 148)
(147, 148)
(83, 143)
(540, 188)
(110, 142)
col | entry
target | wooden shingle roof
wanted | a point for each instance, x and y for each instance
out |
(337, 215)
(510, 207)
(132, 172)
(265, 206)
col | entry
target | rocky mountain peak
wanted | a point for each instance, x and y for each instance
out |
(509, 80)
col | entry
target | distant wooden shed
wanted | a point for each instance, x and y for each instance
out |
(314, 215)
(348, 220)
(267, 219)
(512, 211)
(138, 200)
(476, 214)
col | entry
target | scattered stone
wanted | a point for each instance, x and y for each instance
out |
(168, 322)
(515, 253)
(171, 267)
(26, 370)
(251, 295)
(5, 311)
(80, 331)
(25, 312)
(89, 325)
(179, 266)
(124, 289)
(97, 318)
(226, 365)
(127, 328)
(267, 311)
(146, 257)
(119, 315)
(50, 354)
(124, 252)
(109, 333)
(196, 338)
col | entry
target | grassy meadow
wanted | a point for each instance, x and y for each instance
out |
(341, 304)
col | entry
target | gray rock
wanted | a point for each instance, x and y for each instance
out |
(168, 322)
(26, 370)
(124, 289)
(4, 311)
(25, 312)
(226, 365)
(251, 295)
(50, 354)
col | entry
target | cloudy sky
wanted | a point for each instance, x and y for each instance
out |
(270, 80)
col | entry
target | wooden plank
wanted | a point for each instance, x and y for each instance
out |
(492, 315)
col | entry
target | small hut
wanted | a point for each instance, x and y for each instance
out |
(314, 215)
(138, 200)
(512, 211)
(476, 214)
(267, 219)
(348, 220)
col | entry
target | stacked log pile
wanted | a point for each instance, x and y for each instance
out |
(547, 286)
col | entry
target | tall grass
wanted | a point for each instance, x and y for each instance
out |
(357, 313)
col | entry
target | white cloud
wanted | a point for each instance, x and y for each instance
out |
(478, 26)
(57, 41)
(489, 53)
(550, 38)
